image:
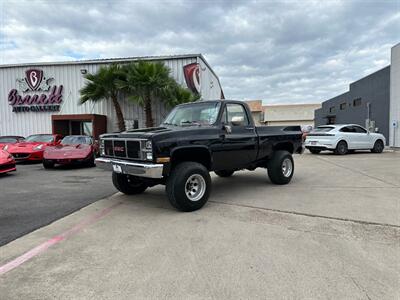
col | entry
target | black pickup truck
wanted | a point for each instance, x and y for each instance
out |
(194, 139)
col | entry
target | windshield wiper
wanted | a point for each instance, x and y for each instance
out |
(191, 123)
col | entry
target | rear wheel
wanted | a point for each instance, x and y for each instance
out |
(378, 147)
(224, 173)
(127, 184)
(314, 151)
(341, 148)
(48, 164)
(188, 186)
(281, 167)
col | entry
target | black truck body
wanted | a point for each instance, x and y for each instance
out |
(230, 142)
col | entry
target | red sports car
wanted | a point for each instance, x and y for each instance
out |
(32, 148)
(7, 162)
(73, 149)
(10, 139)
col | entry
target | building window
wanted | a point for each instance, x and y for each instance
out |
(332, 109)
(357, 102)
(343, 106)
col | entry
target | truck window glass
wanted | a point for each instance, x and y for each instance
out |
(236, 110)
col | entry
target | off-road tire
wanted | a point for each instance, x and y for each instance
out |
(275, 168)
(127, 184)
(378, 147)
(341, 148)
(176, 186)
(314, 151)
(48, 164)
(224, 173)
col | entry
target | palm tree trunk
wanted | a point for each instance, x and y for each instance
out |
(148, 111)
(118, 111)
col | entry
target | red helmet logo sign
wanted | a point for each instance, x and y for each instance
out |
(33, 78)
(192, 77)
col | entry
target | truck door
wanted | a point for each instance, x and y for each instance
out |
(240, 145)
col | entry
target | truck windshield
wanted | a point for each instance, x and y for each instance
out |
(200, 113)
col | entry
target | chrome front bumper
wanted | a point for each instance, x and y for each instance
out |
(132, 168)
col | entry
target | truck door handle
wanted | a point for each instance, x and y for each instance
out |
(249, 128)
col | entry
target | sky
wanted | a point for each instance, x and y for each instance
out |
(275, 51)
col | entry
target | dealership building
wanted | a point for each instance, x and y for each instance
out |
(372, 101)
(44, 97)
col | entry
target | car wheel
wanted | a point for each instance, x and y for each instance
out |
(188, 186)
(314, 151)
(48, 164)
(341, 148)
(224, 173)
(91, 161)
(378, 147)
(129, 185)
(281, 167)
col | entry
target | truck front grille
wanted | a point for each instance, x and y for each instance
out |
(123, 148)
(133, 149)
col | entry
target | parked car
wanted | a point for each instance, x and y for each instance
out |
(32, 148)
(306, 130)
(10, 139)
(194, 139)
(344, 138)
(7, 162)
(73, 149)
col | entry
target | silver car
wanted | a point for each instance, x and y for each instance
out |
(342, 139)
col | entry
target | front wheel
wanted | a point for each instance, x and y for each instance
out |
(281, 167)
(224, 173)
(48, 164)
(91, 161)
(378, 147)
(129, 185)
(188, 186)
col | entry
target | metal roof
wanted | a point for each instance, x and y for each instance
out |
(113, 60)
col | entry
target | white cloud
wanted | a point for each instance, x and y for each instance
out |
(279, 51)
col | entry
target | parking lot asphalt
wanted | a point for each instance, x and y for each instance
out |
(33, 197)
(332, 233)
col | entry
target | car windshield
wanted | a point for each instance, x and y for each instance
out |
(75, 140)
(323, 129)
(8, 140)
(204, 113)
(43, 138)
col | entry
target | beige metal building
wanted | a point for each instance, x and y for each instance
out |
(290, 114)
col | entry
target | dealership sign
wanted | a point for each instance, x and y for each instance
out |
(38, 93)
(192, 77)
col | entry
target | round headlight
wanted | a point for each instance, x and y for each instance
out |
(148, 145)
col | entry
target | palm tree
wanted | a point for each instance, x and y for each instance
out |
(146, 81)
(102, 86)
(178, 95)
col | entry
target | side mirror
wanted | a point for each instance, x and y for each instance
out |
(376, 129)
(237, 121)
(227, 128)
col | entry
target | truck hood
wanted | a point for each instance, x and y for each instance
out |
(147, 133)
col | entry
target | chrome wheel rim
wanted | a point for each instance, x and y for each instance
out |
(195, 187)
(287, 167)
